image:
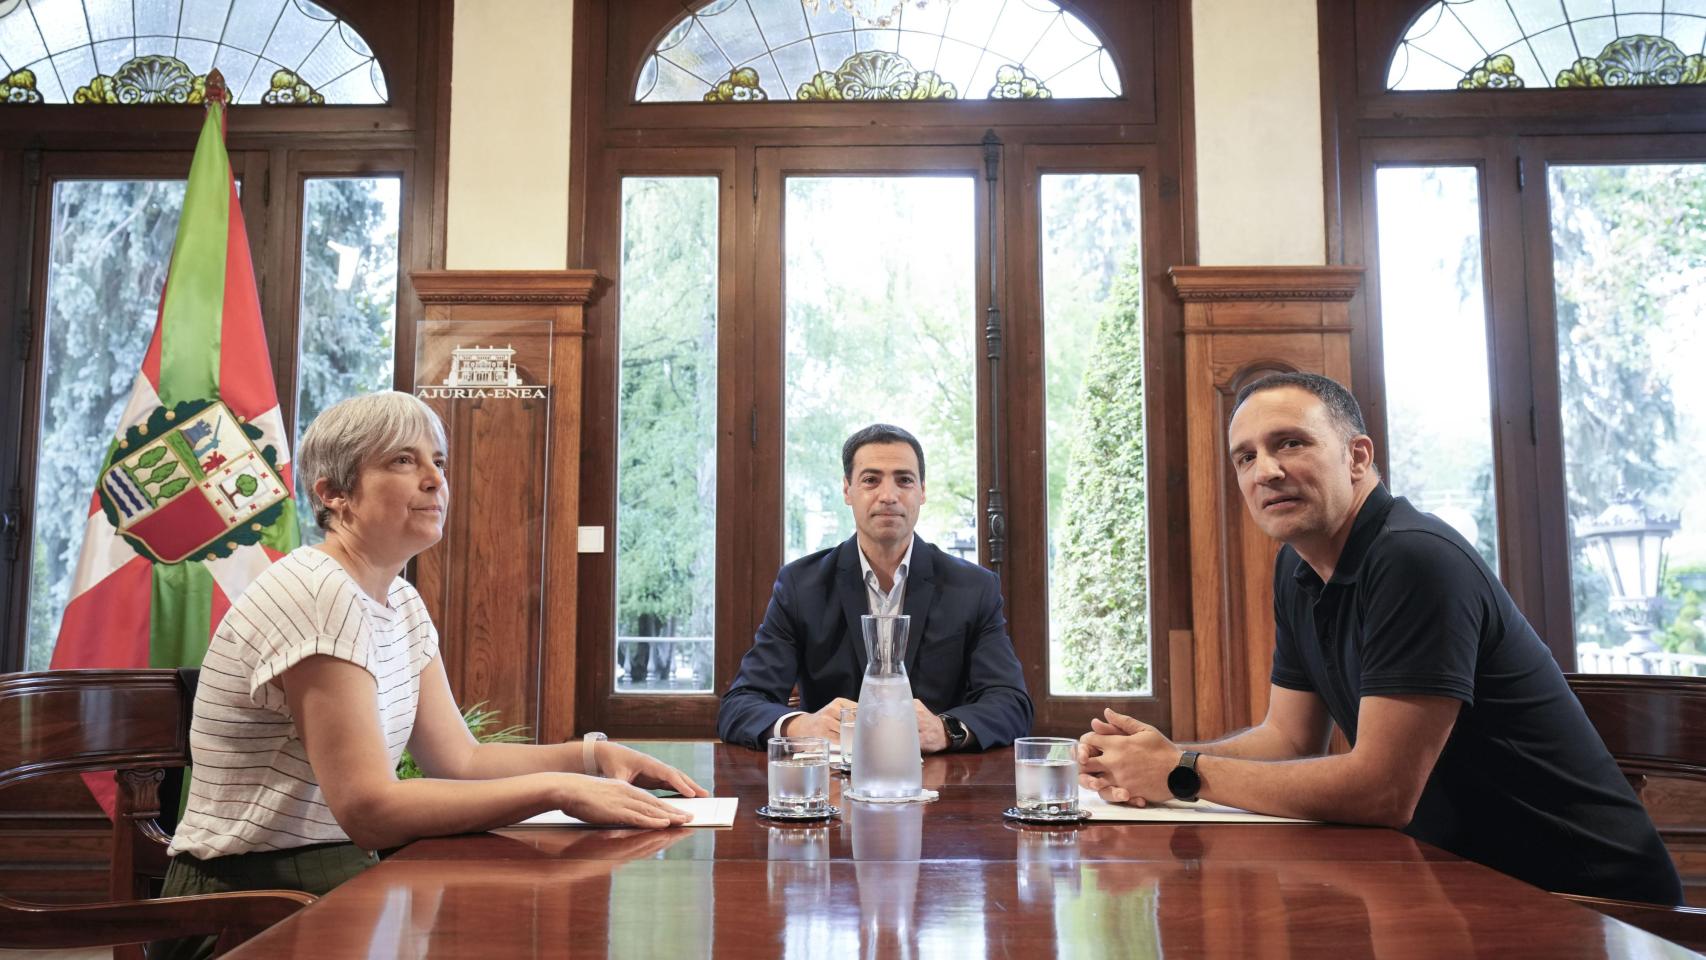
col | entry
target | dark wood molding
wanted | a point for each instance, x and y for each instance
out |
(473, 287)
(1185, 105)
(1322, 284)
(55, 842)
(436, 112)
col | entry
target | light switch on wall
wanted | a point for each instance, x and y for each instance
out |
(591, 540)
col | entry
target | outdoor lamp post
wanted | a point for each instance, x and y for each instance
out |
(1627, 544)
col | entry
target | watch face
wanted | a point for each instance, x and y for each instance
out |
(1184, 783)
(956, 729)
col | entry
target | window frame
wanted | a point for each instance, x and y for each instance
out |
(1029, 510)
(274, 149)
(597, 707)
(614, 136)
(1512, 136)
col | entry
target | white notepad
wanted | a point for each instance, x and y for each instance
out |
(706, 811)
(1173, 811)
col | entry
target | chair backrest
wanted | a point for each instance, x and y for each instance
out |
(76, 721)
(137, 723)
(133, 722)
(1653, 726)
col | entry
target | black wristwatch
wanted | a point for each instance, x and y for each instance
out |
(1184, 781)
(957, 732)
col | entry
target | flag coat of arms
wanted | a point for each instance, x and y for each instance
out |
(194, 499)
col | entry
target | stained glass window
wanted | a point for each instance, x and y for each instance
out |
(1514, 44)
(160, 51)
(747, 50)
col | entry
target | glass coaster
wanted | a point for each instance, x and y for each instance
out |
(1014, 813)
(923, 796)
(827, 812)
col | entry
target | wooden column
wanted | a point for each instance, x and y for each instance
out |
(1242, 323)
(498, 355)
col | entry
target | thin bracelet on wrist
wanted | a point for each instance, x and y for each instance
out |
(589, 754)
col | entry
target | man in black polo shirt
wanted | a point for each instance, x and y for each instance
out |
(1463, 731)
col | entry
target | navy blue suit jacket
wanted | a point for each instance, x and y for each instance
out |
(958, 655)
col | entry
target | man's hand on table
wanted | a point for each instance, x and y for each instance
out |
(932, 735)
(1126, 761)
(824, 723)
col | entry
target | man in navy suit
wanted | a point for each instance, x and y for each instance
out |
(969, 688)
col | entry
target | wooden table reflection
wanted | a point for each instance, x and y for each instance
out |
(946, 879)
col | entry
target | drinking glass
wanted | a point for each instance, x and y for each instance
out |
(1045, 777)
(799, 776)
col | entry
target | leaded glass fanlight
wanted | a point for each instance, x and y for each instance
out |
(746, 50)
(1513, 44)
(160, 51)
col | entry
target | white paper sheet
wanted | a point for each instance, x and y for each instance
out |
(706, 811)
(1173, 811)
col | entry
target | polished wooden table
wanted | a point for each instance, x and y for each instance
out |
(944, 879)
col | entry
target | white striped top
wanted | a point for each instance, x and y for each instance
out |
(251, 788)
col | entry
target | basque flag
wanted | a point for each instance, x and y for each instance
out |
(194, 498)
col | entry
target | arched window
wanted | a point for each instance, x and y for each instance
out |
(1501, 45)
(950, 215)
(748, 50)
(1524, 180)
(118, 52)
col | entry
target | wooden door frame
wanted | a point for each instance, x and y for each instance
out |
(599, 705)
(1151, 37)
(1028, 612)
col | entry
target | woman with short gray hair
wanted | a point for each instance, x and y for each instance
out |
(357, 430)
(327, 667)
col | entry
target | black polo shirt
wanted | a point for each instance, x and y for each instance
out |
(1524, 784)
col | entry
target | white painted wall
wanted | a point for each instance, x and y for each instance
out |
(1258, 115)
(509, 135)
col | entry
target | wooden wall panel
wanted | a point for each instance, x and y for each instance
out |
(1242, 323)
(501, 585)
(55, 843)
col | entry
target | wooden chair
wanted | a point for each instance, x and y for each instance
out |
(136, 722)
(1653, 726)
